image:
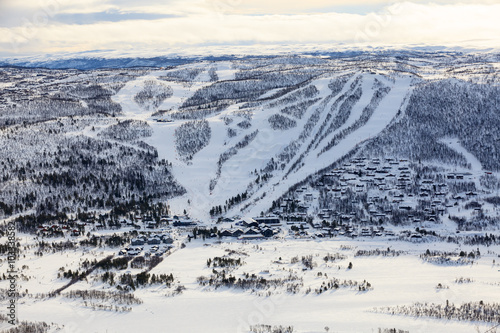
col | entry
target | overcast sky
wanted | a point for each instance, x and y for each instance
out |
(53, 26)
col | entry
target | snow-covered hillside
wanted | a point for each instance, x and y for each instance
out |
(262, 141)
(235, 136)
(270, 123)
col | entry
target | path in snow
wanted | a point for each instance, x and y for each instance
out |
(454, 144)
(475, 165)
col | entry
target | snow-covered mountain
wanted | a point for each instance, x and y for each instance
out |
(231, 136)
(298, 121)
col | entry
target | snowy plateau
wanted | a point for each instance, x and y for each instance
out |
(347, 192)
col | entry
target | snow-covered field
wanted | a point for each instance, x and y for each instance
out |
(399, 280)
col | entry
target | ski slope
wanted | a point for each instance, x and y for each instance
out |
(384, 114)
(239, 172)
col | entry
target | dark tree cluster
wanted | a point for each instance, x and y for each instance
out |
(470, 311)
(191, 137)
(108, 296)
(221, 278)
(152, 95)
(279, 122)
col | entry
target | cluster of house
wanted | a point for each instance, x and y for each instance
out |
(390, 184)
(58, 229)
(352, 231)
(75, 227)
(27, 85)
(137, 245)
(152, 240)
(150, 223)
(254, 228)
(153, 250)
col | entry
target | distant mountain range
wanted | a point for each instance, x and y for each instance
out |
(164, 58)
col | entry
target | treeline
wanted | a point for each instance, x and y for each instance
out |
(108, 296)
(334, 284)
(31, 223)
(291, 283)
(279, 122)
(270, 329)
(224, 262)
(299, 109)
(470, 311)
(230, 203)
(28, 327)
(221, 94)
(296, 97)
(130, 282)
(225, 156)
(184, 74)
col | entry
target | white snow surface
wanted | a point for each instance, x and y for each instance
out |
(400, 280)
